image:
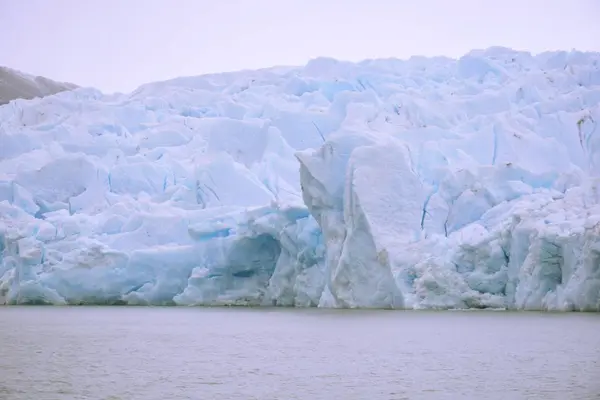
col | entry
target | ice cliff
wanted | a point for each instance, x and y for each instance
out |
(424, 183)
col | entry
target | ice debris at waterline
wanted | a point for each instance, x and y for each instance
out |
(426, 183)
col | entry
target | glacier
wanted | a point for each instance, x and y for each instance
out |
(427, 183)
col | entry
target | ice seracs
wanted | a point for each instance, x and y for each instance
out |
(425, 183)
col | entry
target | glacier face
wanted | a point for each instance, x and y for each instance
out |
(425, 183)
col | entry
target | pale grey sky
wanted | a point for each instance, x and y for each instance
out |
(116, 45)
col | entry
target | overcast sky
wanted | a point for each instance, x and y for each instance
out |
(116, 45)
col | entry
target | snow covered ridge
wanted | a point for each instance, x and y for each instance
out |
(427, 183)
(18, 85)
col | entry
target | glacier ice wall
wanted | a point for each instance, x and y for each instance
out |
(424, 183)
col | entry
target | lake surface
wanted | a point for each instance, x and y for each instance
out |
(129, 353)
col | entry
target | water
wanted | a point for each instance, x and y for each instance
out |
(133, 353)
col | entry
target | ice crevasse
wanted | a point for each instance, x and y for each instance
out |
(419, 183)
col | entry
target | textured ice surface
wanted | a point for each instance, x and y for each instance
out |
(425, 183)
